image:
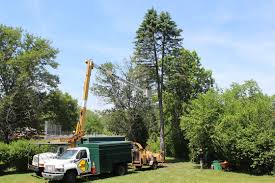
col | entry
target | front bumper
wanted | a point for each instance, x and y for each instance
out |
(34, 168)
(53, 176)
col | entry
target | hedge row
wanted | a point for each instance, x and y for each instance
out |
(17, 153)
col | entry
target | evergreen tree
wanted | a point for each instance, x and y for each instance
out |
(157, 37)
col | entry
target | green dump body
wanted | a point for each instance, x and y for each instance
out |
(106, 138)
(99, 138)
(105, 155)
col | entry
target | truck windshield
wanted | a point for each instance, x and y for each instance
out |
(68, 154)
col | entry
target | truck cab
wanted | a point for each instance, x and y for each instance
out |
(39, 160)
(73, 162)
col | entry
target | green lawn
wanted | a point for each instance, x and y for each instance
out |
(173, 172)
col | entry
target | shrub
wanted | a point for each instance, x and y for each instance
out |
(4, 156)
(235, 125)
(20, 151)
(4, 152)
(153, 143)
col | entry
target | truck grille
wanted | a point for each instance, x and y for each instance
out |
(49, 168)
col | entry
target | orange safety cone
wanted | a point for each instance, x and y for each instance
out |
(93, 170)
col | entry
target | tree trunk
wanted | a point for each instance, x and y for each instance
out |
(6, 138)
(162, 146)
(159, 87)
(161, 115)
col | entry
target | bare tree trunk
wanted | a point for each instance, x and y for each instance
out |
(162, 145)
(161, 114)
(159, 87)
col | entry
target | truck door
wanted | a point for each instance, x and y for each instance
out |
(84, 163)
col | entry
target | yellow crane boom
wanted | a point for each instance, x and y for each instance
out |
(80, 131)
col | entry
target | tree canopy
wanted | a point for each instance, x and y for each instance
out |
(185, 80)
(25, 60)
(156, 38)
(61, 109)
(130, 113)
(236, 125)
(94, 123)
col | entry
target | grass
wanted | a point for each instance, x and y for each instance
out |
(171, 172)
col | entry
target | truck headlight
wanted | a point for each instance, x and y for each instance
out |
(59, 170)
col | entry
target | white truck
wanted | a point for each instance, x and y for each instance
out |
(90, 159)
(38, 161)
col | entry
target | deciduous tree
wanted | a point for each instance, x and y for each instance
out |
(185, 79)
(25, 61)
(61, 109)
(94, 123)
(130, 114)
(235, 125)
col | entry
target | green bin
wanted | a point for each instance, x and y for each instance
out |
(216, 165)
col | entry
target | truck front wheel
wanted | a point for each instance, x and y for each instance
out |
(70, 176)
(39, 172)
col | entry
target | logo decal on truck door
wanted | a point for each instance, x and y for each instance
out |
(83, 165)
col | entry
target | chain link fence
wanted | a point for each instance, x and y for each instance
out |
(55, 131)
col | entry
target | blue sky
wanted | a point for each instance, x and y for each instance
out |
(235, 39)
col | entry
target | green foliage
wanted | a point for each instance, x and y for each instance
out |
(156, 38)
(236, 125)
(94, 123)
(131, 112)
(199, 123)
(153, 143)
(186, 79)
(4, 152)
(24, 78)
(61, 108)
(157, 34)
(129, 123)
(16, 154)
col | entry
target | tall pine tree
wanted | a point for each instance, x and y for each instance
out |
(157, 37)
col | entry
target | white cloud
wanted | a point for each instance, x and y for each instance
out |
(258, 49)
(235, 58)
(265, 81)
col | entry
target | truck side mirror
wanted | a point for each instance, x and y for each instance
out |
(78, 155)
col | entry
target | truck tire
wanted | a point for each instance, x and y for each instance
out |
(70, 176)
(138, 167)
(120, 169)
(39, 172)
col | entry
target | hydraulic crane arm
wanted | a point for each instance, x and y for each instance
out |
(80, 131)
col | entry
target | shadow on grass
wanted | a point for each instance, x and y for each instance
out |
(103, 176)
(131, 170)
(174, 160)
(11, 172)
